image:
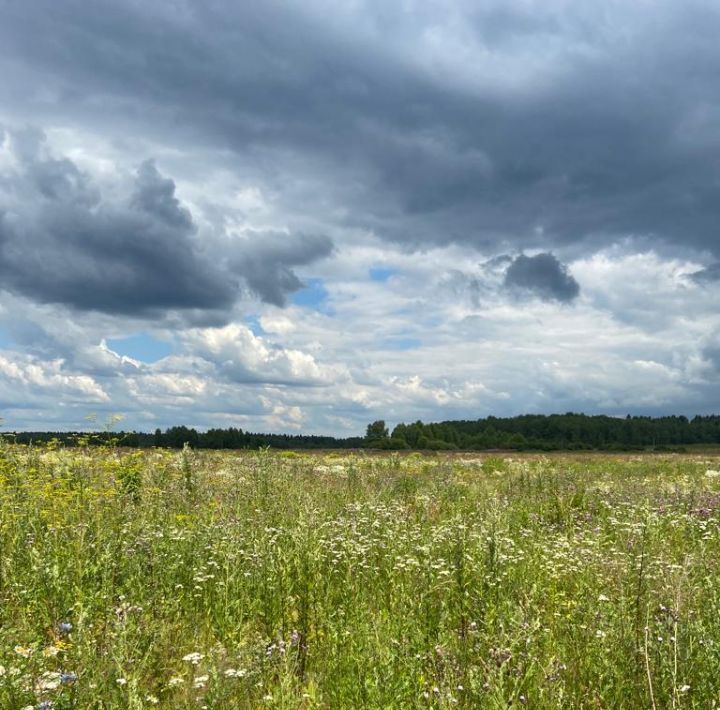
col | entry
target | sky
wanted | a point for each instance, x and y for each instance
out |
(305, 216)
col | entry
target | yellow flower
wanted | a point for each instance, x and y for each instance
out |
(23, 651)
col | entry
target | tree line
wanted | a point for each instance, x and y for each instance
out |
(569, 431)
(177, 436)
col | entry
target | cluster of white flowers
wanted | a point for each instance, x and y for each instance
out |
(193, 658)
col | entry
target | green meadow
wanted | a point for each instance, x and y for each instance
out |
(192, 579)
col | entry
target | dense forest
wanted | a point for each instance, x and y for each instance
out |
(176, 437)
(527, 432)
(556, 431)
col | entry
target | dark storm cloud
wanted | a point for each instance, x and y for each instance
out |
(710, 274)
(549, 125)
(710, 353)
(543, 276)
(266, 262)
(61, 242)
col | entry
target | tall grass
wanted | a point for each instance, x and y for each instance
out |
(232, 580)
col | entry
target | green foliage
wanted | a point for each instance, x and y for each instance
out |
(569, 432)
(361, 580)
(394, 443)
(186, 465)
(128, 471)
(376, 434)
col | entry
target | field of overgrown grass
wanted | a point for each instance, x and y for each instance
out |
(234, 580)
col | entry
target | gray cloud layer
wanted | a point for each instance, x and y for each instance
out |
(710, 274)
(509, 125)
(61, 241)
(266, 265)
(543, 276)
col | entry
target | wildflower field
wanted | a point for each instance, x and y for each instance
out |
(254, 579)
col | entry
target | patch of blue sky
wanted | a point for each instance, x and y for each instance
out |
(253, 322)
(142, 347)
(314, 296)
(382, 273)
